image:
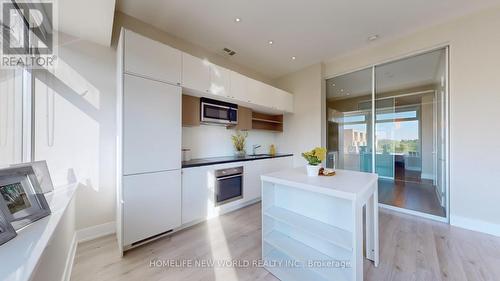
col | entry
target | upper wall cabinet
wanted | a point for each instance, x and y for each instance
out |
(220, 81)
(259, 93)
(195, 73)
(239, 87)
(152, 59)
(282, 100)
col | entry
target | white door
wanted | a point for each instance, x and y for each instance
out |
(149, 58)
(151, 204)
(151, 126)
(220, 81)
(195, 73)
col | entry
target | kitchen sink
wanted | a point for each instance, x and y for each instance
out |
(259, 155)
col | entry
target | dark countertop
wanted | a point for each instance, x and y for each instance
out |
(227, 159)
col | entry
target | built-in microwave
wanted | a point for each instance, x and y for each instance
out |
(218, 112)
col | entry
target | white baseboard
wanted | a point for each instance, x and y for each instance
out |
(476, 225)
(68, 267)
(413, 213)
(96, 231)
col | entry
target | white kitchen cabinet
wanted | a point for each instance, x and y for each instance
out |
(152, 59)
(151, 204)
(260, 93)
(195, 193)
(275, 100)
(288, 102)
(198, 187)
(282, 100)
(148, 170)
(256, 168)
(253, 170)
(195, 73)
(220, 81)
(151, 126)
(239, 87)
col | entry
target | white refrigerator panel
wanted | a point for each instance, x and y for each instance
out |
(151, 204)
(149, 58)
(151, 126)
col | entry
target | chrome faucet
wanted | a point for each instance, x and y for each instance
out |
(254, 147)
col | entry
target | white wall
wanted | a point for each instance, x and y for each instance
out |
(474, 101)
(305, 129)
(11, 116)
(75, 125)
(213, 141)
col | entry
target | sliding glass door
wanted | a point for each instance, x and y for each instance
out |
(349, 122)
(407, 136)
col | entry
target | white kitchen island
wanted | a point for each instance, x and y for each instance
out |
(312, 227)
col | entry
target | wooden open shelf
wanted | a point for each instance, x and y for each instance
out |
(261, 121)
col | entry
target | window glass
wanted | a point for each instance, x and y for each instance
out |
(11, 116)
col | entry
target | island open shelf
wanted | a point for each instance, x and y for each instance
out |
(314, 231)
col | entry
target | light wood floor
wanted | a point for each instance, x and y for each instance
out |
(410, 249)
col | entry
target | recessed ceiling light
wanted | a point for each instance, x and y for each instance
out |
(237, 19)
(341, 90)
(293, 58)
(373, 37)
(347, 94)
(333, 84)
(271, 42)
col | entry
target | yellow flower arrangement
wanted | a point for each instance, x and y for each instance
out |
(239, 141)
(315, 156)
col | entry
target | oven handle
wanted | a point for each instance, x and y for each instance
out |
(229, 177)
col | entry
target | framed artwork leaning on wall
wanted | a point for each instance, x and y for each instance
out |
(42, 174)
(7, 232)
(21, 199)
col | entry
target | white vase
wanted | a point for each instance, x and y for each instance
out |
(313, 170)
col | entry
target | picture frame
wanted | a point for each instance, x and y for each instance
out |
(42, 174)
(21, 199)
(7, 231)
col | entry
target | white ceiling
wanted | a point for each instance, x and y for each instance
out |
(420, 70)
(89, 19)
(311, 30)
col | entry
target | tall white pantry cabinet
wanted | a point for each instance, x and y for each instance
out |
(148, 139)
